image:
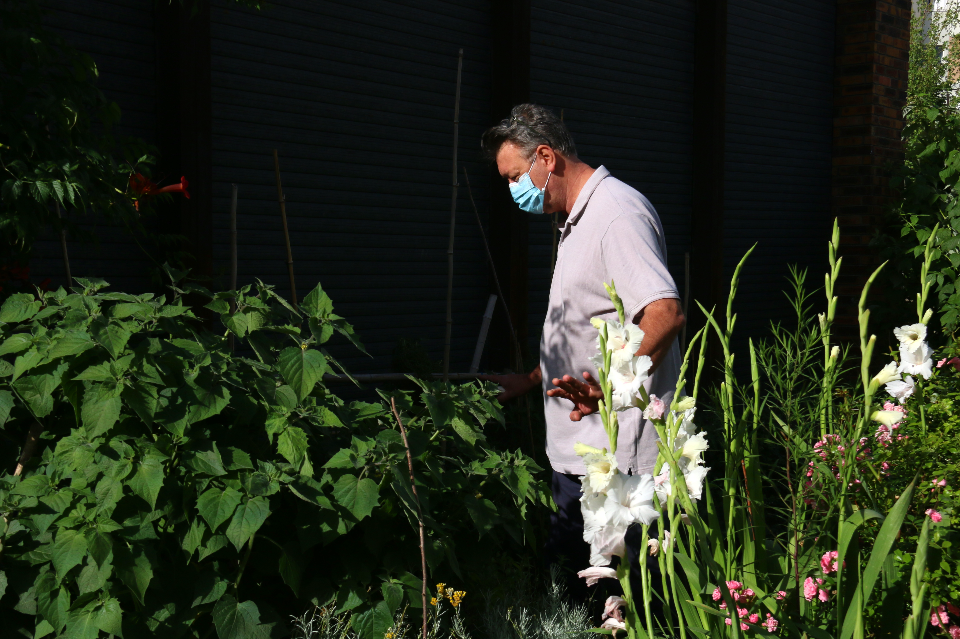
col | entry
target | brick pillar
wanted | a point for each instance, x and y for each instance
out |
(873, 38)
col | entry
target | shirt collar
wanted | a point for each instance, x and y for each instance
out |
(584, 196)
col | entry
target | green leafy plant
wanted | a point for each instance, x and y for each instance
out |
(171, 487)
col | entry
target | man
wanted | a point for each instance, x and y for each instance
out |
(612, 233)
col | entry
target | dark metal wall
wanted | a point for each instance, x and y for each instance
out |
(358, 99)
(623, 76)
(778, 147)
(118, 34)
(359, 102)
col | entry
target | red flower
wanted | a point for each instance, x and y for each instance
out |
(144, 188)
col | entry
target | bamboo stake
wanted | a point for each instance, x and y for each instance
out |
(493, 269)
(453, 221)
(233, 255)
(416, 499)
(286, 233)
(686, 296)
(63, 247)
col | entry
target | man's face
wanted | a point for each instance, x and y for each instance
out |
(512, 165)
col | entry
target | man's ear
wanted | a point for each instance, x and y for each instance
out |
(549, 156)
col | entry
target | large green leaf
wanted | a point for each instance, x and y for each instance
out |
(37, 392)
(209, 587)
(291, 566)
(6, 404)
(147, 479)
(247, 519)
(292, 444)
(302, 368)
(359, 496)
(69, 549)
(108, 617)
(70, 344)
(113, 338)
(207, 403)
(19, 307)
(100, 409)
(207, 462)
(216, 505)
(135, 567)
(235, 620)
(317, 303)
(373, 623)
(16, 343)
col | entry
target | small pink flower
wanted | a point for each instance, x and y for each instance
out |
(770, 624)
(717, 595)
(754, 618)
(781, 595)
(885, 466)
(941, 362)
(954, 632)
(941, 483)
(939, 616)
(734, 585)
(934, 515)
(809, 589)
(823, 595)
(828, 563)
(654, 409)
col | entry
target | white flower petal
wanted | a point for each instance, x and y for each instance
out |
(911, 336)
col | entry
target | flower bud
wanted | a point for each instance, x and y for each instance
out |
(822, 318)
(927, 316)
(887, 374)
(686, 403)
(583, 449)
(835, 352)
(596, 322)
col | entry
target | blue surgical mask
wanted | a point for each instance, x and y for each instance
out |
(527, 196)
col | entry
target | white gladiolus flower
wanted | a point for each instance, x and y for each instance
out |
(626, 377)
(607, 544)
(613, 625)
(630, 500)
(601, 468)
(911, 337)
(887, 374)
(695, 477)
(693, 448)
(887, 417)
(593, 574)
(916, 362)
(901, 390)
(582, 449)
(654, 409)
(622, 341)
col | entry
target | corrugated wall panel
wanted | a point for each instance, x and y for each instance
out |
(359, 102)
(118, 35)
(623, 77)
(778, 147)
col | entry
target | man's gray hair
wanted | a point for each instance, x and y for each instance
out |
(529, 126)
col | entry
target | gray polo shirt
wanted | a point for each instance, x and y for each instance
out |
(612, 233)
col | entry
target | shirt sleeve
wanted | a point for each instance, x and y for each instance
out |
(633, 259)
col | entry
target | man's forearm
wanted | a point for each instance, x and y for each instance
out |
(660, 322)
(535, 377)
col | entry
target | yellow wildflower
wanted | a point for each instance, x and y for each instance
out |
(457, 597)
(388, 635)
(440, 588)
(433, 601)
(448, 593)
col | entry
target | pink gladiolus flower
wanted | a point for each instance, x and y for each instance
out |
(612, 608)
(823, 595)
(593, 574)
(934, 515)
(809, 589)
(654, 409)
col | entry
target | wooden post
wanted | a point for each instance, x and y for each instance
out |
(233, 253)
(453, 221)
(286, 233)
(686, 298)
(63, 247)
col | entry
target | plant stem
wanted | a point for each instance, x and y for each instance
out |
(416, 499)
(243, 566)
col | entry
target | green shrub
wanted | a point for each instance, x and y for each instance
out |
(178, 488)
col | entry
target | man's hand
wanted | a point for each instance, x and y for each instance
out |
(585, 395)
(514, 385)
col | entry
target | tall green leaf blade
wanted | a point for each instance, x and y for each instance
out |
(882, 545)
